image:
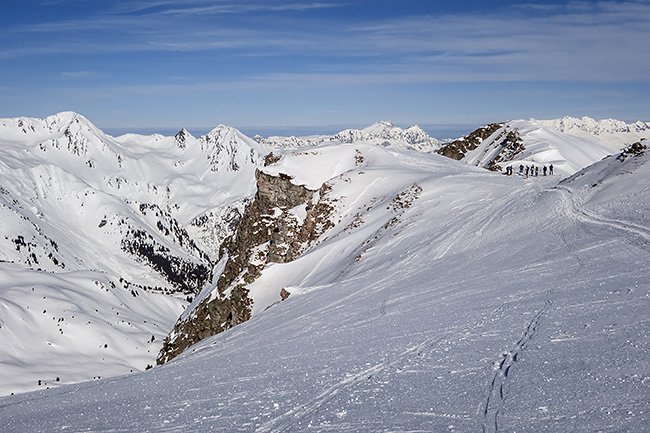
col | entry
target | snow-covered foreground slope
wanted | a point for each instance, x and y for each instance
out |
(68, 327)
(448, 298)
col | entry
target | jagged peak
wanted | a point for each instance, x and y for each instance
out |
(229, 149)
(182, 137)
(415, 128)
(220, 133)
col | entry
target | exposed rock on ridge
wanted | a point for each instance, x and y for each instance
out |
(503, 144)
(281, 223)
(457, 149)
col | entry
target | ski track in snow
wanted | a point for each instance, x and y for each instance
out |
(293, 417)
(636, 234)
(497, 389)
(497, 393)
(289, 419)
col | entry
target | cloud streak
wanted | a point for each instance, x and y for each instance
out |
(199, 48)
(606, 42)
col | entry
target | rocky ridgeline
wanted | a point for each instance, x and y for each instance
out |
(637, 150)
(281, 223)
(457, 149)
(509, 141)
(511, 145)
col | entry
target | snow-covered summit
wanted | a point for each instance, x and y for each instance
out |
(523, 142)
(611, 131)
(227, 149)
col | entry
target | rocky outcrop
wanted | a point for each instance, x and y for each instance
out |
(505, 141)
(281, 223)
(511, 145)
(635, 149)
(457, 149)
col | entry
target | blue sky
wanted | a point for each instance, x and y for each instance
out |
(281, 65)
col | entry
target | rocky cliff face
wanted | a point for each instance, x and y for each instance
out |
(281, 222)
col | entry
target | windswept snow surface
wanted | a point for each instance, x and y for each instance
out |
(446, 298)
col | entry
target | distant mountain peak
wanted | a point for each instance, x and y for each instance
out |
(59, 120)
(228, 149)
(383, 133)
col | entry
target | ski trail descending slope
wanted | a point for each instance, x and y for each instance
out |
(635, 233)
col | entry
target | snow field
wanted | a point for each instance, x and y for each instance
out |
(75, 326)
(491, 305)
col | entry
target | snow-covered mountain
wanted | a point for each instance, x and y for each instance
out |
(380, 133)
(610, 131)
(521, 142)
(104, 240)
(374, 287)
(420, 294)
(109, 238)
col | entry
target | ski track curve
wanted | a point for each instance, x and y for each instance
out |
(634, 233)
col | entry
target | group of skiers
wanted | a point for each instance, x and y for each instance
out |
(530, 170)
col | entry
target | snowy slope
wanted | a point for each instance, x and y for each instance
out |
(380, 133)
(521, 142)
(446, 298)
(610, 131)
(104, 238)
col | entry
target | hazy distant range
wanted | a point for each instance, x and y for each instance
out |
(440, 131)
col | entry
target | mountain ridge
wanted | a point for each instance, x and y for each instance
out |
(142, 218)
(611, 131)
(128, 224)
(383, 133)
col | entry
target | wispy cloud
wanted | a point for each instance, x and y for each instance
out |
(582, 41)
(243, 7)
(76, 74)
(203, 7)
